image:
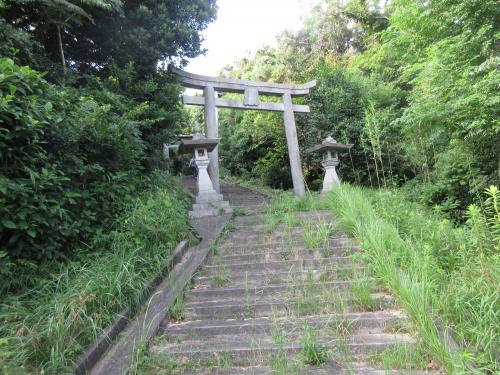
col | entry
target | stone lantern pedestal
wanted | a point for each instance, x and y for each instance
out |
(330, 148)
(208, 202)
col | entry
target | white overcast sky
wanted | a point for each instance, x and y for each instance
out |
(243, 26)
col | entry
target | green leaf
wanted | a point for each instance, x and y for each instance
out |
(9, 224)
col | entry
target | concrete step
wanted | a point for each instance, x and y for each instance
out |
(246, 205)
(250, 201)
(247, 230)
(249, 196)
(264, 232)
(316, 293)
(260, 219)
(237, 188)
(265, 277)
(276, 266)
(279, 239)
(262, 244)
(278, 306)
(348, 323)
(272, 243)
(289, 253)
(298, 228)
(359, 368)
(265, 226)
(255, 350)
(232, 292)
(339, 246)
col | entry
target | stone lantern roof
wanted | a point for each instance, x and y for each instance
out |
(329, 144)
(198, 140)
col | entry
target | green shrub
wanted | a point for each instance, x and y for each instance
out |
(46, 328)
(69, 164)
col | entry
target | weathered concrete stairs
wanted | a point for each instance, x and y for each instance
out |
(266, 304)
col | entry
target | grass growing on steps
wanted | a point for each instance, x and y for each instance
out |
(221, 278)
(312, 352)
(438, 271)
(363, 300)
(46, 329)
(317, 236)
(278, 210)
(405, 357)
(177, 312)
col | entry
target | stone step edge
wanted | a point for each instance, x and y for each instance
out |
(393, 313)
(266, 300)
(363, 341)
(342, 268)
(209, 290)
(359, 368)
(278, 263)
(224, 258)
(209, 327)
(236, 243)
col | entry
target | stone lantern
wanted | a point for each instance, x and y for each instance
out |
(330, 149)
(208, 201)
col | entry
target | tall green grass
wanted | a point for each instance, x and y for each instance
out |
(437, 271)
(46, 329)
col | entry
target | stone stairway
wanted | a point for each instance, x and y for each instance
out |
(266, 303)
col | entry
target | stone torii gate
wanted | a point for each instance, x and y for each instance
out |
(251, 91)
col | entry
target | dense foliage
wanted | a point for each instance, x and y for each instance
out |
(69, 163)
(78, 140)
(414, 86)
(85, 106)
(45, 329)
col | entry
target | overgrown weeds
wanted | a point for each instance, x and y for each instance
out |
(317, 236)
(177, 313)
(49, 326)
(362, 299)
(312, 352)
(221, 278)
(433, 267)
(402, 356)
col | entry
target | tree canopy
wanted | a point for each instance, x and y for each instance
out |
(414, 85)
(85, 107)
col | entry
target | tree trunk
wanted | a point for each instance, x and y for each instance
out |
(61, 50)
(391, 172)
(368, 168)
(382, 168)
(374, 154)
(354, 169)
(499, 168)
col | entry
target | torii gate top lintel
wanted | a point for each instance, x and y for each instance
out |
(251, 90)
(197, 81)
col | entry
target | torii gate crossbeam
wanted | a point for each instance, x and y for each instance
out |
(252, 90)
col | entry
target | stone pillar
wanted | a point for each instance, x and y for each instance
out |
(293, 147)
(204, 183)
(208, 202)
(212, 132)
(331, 179)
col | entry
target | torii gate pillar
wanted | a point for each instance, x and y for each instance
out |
(251, 90)
(293, 146)
(212, 126)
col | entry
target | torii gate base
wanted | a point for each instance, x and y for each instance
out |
(251, 89)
